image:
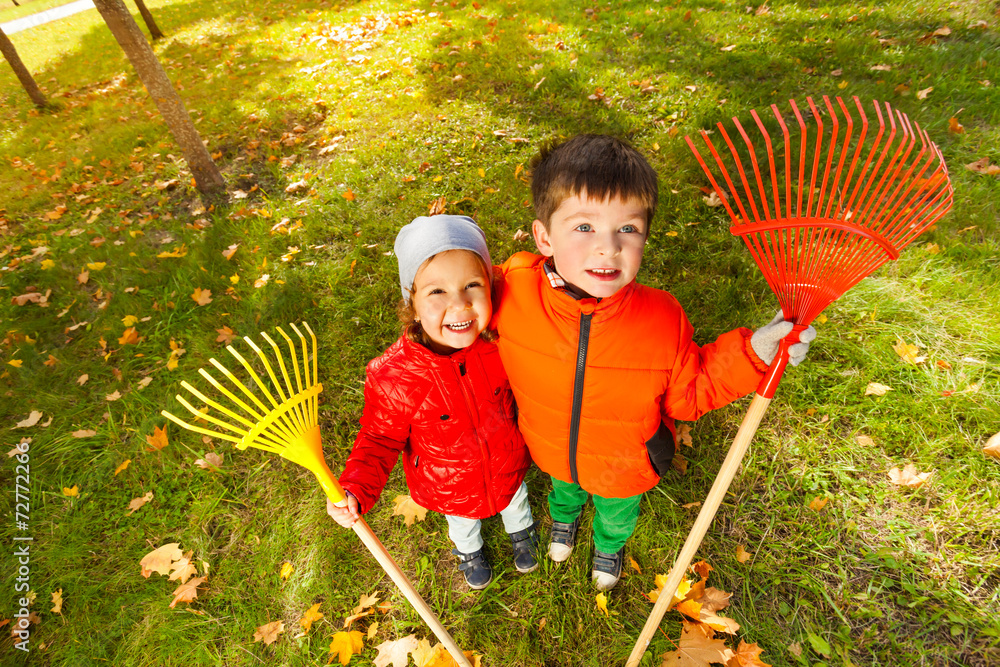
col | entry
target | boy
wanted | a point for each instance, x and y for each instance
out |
(601, 366)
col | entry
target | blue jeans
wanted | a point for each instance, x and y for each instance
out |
(516, 516)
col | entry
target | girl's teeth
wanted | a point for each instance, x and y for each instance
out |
(460, 327)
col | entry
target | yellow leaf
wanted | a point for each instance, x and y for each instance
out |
(346, 644)
(235, 278)
(96, 266)
(123, 466)
(202, 297)
(312, 614)
(372, 630)
(411, 511)
(158, 440)
(741, 554)
(876, 389)
(230, 251)
(57, 601)
(634, 565)
(842, 85)
(482, 173)
(602, 603)
(286, 570)
(129, 320)
(137, 503)
(46, 265)
(71, 491)
(160, 560)
(130, 337)
(818, 503)
(180, 251)
(16, 363)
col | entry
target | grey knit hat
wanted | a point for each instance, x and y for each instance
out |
(427, 236)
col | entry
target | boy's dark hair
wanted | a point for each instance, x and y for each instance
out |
(602, 165)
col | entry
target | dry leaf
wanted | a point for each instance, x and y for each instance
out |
(31, 420)
(922, 94)
(349, 195)
(908, 476)
(137, 503)
(286, 570)
(684, 435)
(713, 199)
(748, 655)
(183, 570)
(602, 603)
(122, 466)
(521, 235)
(679, 463)
(230, 251)
(57, 601)
(992, 447)
(345, 645)
(742, 555)
(876, 389)
(634, 565)
(395, 652)
(130, 337)
(226, 335)
(268, 633)
(865, 441)
(411, 511)
(84, 433)
(697, 648)
(818, 503)
(113, 396)
(82, 380)
(71, 491)
(312, 615)
(908, 353)
(159, 560)
(954, 126)
(212, 461)
(158, 440)
(202, 297)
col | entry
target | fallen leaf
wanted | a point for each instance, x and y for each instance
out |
(345, 645)
(71, 491)
(130, 337)
(82, 380)
(943, 31)
(865, 441)
(697, 648)
(176, 252)
(202, 297)
(907, 352)
(954, 126)
(57, 601)
(521, 235)
(159, 560)
(714, 599)
(795, 649)
(182, 570)
(908, 476)
(693, 505)
(122, 466)
(992, 447)
(286, 570)
(876, 389)
(395, 652)
(679, 463)
(818, 503)
(158, 440)
(268, 633)
(372, 630)
(684, 435)
(230, 251)
(31, 420)
(713, 199)
(602, 603)
(742, 555)
(312, 615)
(922, 94)
(212, 461)
(748, 655)
(113, 396)
(411, 511)
(349, 195)
(226, 335)
(634, 565)
(137, 503)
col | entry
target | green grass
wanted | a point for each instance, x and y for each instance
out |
(881, 576)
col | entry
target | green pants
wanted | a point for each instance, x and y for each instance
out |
(614, 520)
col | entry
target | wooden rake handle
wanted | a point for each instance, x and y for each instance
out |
(399, 578)
(729, 467)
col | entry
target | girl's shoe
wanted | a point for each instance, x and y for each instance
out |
(525, 547)
(475, 568)
(607, 569)
(561, 539)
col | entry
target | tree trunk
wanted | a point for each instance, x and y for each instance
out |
(206, 175)
(10, 53)
(154, 30)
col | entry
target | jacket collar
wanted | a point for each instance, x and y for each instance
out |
(427, 357)
(574, 304)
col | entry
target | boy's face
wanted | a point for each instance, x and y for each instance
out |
(596, 245)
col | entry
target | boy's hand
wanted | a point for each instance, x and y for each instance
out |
(346, 515)
(765, 340)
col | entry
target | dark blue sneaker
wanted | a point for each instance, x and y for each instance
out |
(607, 569)
(525, 547)
(562, 539)
(476, 569)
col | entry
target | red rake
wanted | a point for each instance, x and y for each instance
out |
(835, 204)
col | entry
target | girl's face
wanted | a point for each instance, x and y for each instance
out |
(451, 299)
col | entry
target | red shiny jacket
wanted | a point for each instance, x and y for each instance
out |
(454, 421)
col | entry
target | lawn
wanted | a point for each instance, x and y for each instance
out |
(335, 124)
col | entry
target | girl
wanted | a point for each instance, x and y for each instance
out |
(440, 397)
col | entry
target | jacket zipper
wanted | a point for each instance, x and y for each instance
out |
(474, 416)
(581, 367)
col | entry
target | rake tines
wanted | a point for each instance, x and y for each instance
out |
(832, 205)
(286, 422)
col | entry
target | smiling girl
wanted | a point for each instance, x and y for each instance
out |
(440, 398)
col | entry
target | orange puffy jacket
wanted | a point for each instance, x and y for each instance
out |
(599, 382)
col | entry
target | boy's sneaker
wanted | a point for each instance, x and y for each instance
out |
(475, 567)
(562, 538)
(607, 569)
(525, 547)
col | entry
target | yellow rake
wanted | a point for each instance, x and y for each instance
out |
(287, 424)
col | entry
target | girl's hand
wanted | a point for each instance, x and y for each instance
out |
(346, 515)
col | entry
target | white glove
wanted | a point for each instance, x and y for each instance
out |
(765, 340)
